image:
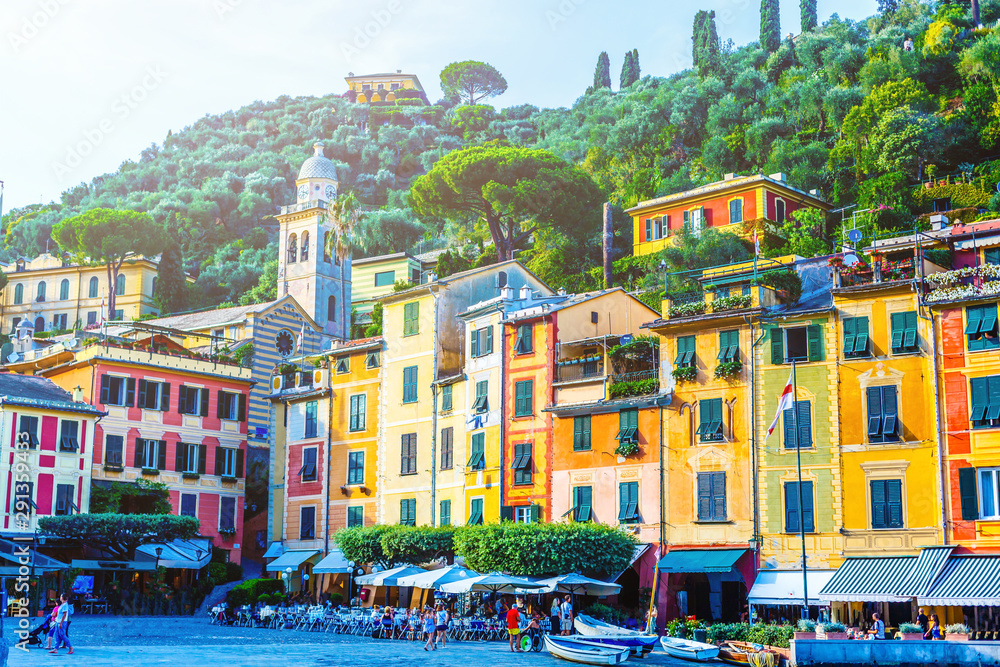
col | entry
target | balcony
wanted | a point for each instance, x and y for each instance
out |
(970, 282)
(581, 368)
(878, 272)
(635, 383)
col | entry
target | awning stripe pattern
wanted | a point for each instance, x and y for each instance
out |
(869, 580)
(930, 563)
(966, 580)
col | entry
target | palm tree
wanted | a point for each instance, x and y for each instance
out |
(343, 214)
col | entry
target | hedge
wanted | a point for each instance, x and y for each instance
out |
(759, 633)
(250, 591)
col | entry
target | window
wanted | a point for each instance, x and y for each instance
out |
(710, 423)
(989, 494)
(804, 414)
(93, 287)
(410, 384)
(477, 452)
(408, 512)
(883, 419)
(227, 513)
(293, 245)
(524, 343)
(792, 507)
(308, 470)
(445, 513)
(385, 278)
(312, 407)
(232, 406)
(446, 396)
(307, 522)
(191, 458)
(343, 365)
(735, 211)
(985, 393)
(356, 468)
(331, 308)
(628, 426)
(372, 360)
(228, 462)
(779, 211)
(523, 400)
(711, 496)
(729, 346)
(411, 318)
(39, 324)
(475, 512)
(150, 454)
(798, 343)
(13, 324)
(64, 290)
(27, 431)
(685, 352)
(357, 420)
(481, 403)
(24, 497)
(40, 292)
(193, 401)
(482, 341)
(59, 322)
(408, 454)
(447, 448)
(19, 294)
(118, 314)
(904, 332)
(154, 395)
(326, 247)
(991, 256)
(887, 503)
(64, 500)
(526, 514)
(114, 446)
(628, 502)
(581, 433)
(68, 431)
(189, 504)
(582, 503)
(856, 336)
(522, 463)
(355, 516)
(116, 390)
(92, 318)
(981, 327)
(305, 246)
(120, 285)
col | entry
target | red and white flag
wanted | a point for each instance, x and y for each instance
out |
(302, 335)
(784, 403)
(102, 310)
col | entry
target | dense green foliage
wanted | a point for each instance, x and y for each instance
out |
(630, 69)
(363, 544)
(418, 544)
(120, 534)
(770, 25)
(251, 590)
(706, 49)
(139, 497)
(602, 73)
(759, 633)
(171, 283)
(472, 81)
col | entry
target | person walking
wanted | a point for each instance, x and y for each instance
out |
(62, 621)
(934, 630)
(555, 613)
(428, 620)
(922, 621)
(514, 628)
(441, 620)
(51, 632)
(567, 616)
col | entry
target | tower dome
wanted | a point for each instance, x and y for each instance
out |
(318, 166)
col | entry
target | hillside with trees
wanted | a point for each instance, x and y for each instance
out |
(890, 113)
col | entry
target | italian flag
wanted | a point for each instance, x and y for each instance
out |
(784, 403)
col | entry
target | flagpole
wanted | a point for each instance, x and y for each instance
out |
(798, 465)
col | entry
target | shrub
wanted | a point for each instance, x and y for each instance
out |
(806, 625)
(956, 629)
(633, 388)
(252, 590)
(417, 544)
(831, 627)
(910, 628)
(728, 370)
(787, 280)
(685, 373)
(769, 635)
(687, 309)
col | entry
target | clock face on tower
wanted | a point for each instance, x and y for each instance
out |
(330, 193)
(284, 343)
(303, 192)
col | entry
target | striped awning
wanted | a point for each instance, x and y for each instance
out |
(930, 563)
(966, 581)
(869, 580)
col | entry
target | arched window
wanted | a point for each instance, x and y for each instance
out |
(331, 308)
(120, 284)
(40, 294)
(18, 294)
(93, 287)
(326, 247)
(305, 246)
(64, 289)
(293, 244)
(39, 324)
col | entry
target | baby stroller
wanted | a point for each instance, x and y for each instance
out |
(37, 636)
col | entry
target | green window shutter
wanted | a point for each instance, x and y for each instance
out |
(729, 343)
(535, 512)
(489, 340)
(704, 417)
(894, 503)
(890, 414)
(861, 341)
(874, 413)
(989, 319)
(581, 433)
(792, 507)
(474, 351)
(897, 321)
(973, 318)
(808, 516)
(777, 346)
(968, 493)
(704, 496)
(446, 398)
(411, 318)
(850, 334)
(789, 428)
(445, 513)
(979, 389)
(910, 329)
(815, 334)
(879, 508)
(649, 229)
(805, 423)
(718, 496)
(993, 392)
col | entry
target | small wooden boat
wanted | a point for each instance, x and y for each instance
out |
(739, 653)
(687, 649)
(588, 625)
(638, 643)
(586, 652)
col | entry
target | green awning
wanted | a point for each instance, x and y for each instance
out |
(700, 560)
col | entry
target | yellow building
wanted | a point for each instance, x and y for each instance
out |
(374, 277)
(53, 294)
(425, 359)
(382, 87)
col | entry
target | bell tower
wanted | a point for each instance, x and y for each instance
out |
(318, 280)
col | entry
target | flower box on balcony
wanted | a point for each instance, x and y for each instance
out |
(190, 475)
(229, 479)
(684, 373)
(150, 471)
(108, 467)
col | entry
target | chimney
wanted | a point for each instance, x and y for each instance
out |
(730, 176)
(780, 177)
(78, 394)
(399, 71)
(562, 291)
(525, 293)
(814, 192)
(507, 293)
(938, 222)
(609, 236)
(431, 277)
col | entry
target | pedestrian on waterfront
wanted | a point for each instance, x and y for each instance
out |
(934, 631)
(428, 620)
(878, 627)
(62, 622)
(922, 621)
(501, 607)
(441, 620)
(567, 616)
(555, 613)
(52, 626)
(514, 628)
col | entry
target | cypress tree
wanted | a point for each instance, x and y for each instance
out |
(706, 49)
(170, 295)
(602, 73)
(625, 80)
(636, 72)
(809, 16)
(770, 25)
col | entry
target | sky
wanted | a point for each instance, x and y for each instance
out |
(87, 84)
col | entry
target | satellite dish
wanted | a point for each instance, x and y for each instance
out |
(850, 259)
(70, 344)
(854, 235)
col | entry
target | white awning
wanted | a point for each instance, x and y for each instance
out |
(275, 550)
(333, 562)
(292, 559)
(387, 577)
(785, 587)
(183, 554)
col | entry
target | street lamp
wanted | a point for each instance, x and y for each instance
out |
(350, 585)
(288, 578)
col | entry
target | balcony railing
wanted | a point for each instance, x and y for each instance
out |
(635, 383)
(969, 282)
(875, 273)
(584, 368)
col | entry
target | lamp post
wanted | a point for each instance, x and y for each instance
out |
(350, 585)
(288, 578)
(305, 582)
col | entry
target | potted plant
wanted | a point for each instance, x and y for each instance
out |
(728, 370)
(910, 631)
(806, 629)
(685, 373)
(957, 632)
(832, 630)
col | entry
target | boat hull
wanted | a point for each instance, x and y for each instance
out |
(586, 653)
(587, 625)
(689, 650)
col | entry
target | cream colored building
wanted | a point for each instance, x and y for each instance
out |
(383, 86)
